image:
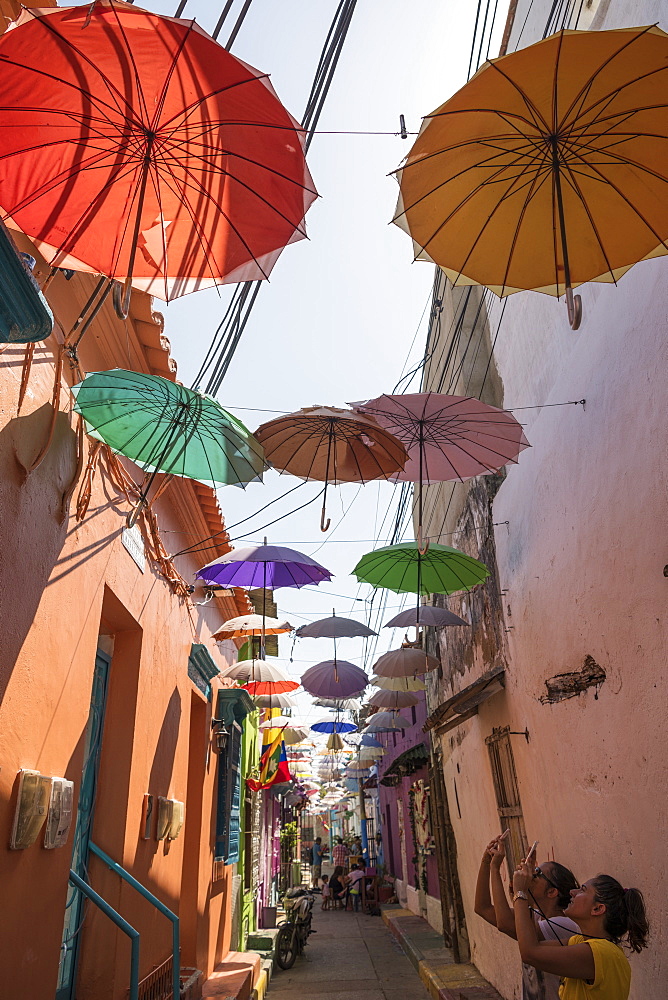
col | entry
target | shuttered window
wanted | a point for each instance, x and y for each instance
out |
(229, 791)
(507, 795)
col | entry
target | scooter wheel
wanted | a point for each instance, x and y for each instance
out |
(286, 946)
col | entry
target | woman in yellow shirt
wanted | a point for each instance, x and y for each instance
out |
(592, 965)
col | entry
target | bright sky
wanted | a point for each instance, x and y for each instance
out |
(344, 313)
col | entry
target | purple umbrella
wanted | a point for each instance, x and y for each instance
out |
(268, 566)
(334, 679)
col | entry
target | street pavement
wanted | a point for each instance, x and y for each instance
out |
(351, 957)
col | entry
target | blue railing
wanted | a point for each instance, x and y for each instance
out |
(143, 891)
(120, 923)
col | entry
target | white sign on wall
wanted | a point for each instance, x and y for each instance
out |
(134, 544)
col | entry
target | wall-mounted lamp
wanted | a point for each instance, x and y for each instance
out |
(220, 735)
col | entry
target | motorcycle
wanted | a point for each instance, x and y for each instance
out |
(294, 931)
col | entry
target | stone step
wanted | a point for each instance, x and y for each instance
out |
(262, 940)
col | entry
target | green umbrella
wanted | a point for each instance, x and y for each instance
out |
(401, 568)
(164, 427)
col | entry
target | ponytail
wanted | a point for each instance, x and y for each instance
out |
(625, 914)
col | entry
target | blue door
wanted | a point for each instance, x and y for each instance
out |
(75, 908)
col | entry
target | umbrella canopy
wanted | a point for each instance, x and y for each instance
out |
(386, 722)
(330, 679)
(333, 726)
(279, 686)
(448, 438)
(425, 614)
(279, 721)
(371, 741)
(249, 625)
(266, 566)
(334, 628)
(404, 569)
(133, 145)
(547, 169)
(164, 427)
(331, 445)
(342, 704)
(398, 683)
(404, 662)
(393, 699)
(257, 670)
(275, 700)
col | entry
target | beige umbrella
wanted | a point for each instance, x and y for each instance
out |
(398, 683)
(404, 662)
(275, 701)
(393, 699)
(255, 670)
(250, 625)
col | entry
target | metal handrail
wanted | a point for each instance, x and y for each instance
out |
(143, 891)
(122, 924)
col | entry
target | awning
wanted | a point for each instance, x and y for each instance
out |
(406, 763)
(464, 705)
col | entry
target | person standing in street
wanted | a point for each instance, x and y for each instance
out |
(339, 852)
(549, 891)
(316, 862)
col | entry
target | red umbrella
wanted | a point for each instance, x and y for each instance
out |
(134, 146)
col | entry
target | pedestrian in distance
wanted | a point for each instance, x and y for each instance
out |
(549, 891)
(326, 893)
(337, 888)
(354, 879)
(339, 852)
(316, 862)
(593, 965)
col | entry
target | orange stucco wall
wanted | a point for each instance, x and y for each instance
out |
(63, 584)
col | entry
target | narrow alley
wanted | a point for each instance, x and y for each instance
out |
(351, 957)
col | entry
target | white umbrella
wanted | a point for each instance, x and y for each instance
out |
(404, 662)
(274, 701)
(255, 670)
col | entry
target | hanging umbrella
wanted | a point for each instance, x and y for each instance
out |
(250, 625)
(404, 569)
(425, 614)
(386, 722)
(258, 670)
(398, 683)
(266, 566)
(334, 628)
(331, 445)
(279, 722)
(404, 662)
(371, 741)
(133, 145)
(393, 699)
(275, 700)
(333, 726)
(548, 168)
(448, 438)
(270, 687)
(342, 704)
(164, 427)
(330, 678)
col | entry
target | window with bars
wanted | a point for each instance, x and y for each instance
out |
(507, 793)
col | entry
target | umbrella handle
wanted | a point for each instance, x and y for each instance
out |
(574, 306)
(423, 547)
(324, 525)
(121, 298)
(132, 517)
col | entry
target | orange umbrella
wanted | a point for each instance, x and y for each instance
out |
(548, 168)
(250, 625)
(331, 445)
(134, 146)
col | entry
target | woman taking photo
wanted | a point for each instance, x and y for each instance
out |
(592, 965)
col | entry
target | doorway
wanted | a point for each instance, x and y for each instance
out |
(75, 907)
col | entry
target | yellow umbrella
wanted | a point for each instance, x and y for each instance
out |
(549, 168)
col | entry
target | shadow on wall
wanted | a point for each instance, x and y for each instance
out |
(32, 516)
(163, 759)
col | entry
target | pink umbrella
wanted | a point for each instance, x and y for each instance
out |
(447, 437)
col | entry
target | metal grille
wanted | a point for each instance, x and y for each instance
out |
(507, 795)
(158, 984)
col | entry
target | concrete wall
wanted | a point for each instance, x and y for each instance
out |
(581, 574)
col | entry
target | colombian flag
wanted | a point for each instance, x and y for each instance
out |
(273, 765)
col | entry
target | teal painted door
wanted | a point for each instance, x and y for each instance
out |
(75, 908)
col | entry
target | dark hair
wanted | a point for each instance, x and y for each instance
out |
(563, 880)
(318, 840)
(624, 911)
(337, 871)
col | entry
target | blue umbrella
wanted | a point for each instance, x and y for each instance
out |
(333, 726)
(370, 741)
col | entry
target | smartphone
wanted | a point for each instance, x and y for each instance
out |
(532, 852)
(504, 834)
